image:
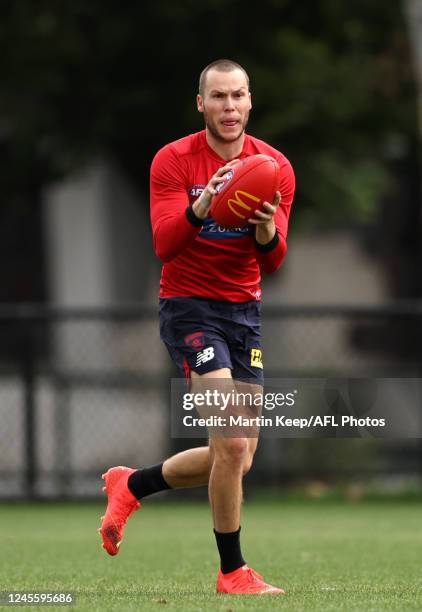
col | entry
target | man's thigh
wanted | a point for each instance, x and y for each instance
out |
(235, 406)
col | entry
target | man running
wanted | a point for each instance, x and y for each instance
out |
(209, 309)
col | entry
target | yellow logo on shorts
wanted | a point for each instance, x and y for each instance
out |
(256, 358)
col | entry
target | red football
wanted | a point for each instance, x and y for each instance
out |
(248, 184)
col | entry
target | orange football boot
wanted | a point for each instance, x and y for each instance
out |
(121, 504)
(245, 581)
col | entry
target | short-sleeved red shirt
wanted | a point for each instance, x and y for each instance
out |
(210, 261)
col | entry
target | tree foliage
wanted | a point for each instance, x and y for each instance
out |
(332, 87)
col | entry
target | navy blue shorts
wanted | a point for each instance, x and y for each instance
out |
(205, 335)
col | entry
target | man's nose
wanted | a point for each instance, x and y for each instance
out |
(229, 103)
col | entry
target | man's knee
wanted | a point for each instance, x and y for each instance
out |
(247, 464)
(232, 450)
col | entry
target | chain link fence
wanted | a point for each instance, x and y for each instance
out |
(81, 390)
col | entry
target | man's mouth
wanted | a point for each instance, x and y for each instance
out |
(230, 122)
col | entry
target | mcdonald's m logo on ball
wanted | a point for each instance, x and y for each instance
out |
(239, 203)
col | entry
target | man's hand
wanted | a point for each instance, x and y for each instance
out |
(202, 205)
(264, 220)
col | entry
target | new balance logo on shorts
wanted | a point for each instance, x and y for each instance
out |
(206, 355)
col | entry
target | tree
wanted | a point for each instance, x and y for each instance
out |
(332, 86)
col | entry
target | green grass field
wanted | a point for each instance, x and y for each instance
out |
(327, 555)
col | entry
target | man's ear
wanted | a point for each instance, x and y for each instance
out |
(199, 103)
(250, 101)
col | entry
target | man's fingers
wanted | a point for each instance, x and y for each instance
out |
(277, 199)
(216, 180)
(267, 212)
(218, 177)
(221, 171)
(260, 217)
(256, 221)
(269, 208)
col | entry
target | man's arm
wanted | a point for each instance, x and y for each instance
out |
(172, 230)
(272, 224)
(175, 224)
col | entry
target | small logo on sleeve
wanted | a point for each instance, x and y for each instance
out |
(195, 191)
(256, 358)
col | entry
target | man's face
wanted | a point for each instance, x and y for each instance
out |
(226, 103)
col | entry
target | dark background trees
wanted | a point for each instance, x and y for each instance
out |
(332, 86)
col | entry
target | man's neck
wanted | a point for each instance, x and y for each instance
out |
(226, 150)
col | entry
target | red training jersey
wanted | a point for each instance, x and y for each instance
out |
(208, 260)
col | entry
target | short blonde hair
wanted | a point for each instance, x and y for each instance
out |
(222, 65)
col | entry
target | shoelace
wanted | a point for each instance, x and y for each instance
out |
(248, 575)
